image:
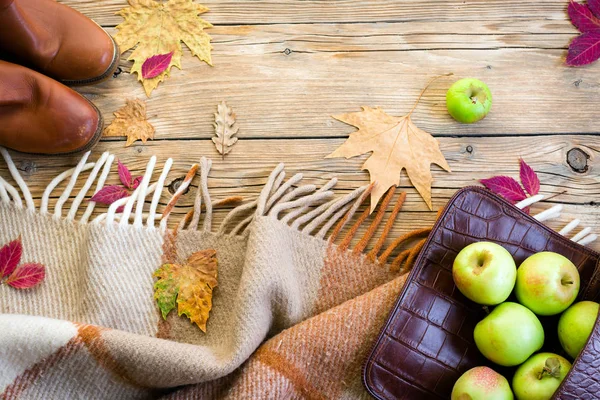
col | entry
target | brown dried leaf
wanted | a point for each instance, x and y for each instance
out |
(130, 120)
(225, 128)
(396, 143)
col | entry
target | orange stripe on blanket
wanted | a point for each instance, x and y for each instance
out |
(288, 370)
(91, 337)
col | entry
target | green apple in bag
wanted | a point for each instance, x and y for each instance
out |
(509, 335)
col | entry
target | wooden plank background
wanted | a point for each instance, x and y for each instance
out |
(285, 66)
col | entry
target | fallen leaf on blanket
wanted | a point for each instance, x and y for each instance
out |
(225, 128)
(27, 276)
(189, 286)
(585, 48)
(510, 189)
(155, 65)
(395, 143)
(159, 28)
(10, 256)
(130, 120)
(24, 276)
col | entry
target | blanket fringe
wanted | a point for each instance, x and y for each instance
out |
(305, 208)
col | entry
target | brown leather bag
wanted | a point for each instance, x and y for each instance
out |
(427, 342)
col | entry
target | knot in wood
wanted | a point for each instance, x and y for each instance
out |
(174, 185)
(27, 167)
(578, 160)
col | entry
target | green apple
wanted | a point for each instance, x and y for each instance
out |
(575, 326)
(481, 383)
(485, 273)
(468, 100)
(509, 335)
(540, 376)
(547, 283)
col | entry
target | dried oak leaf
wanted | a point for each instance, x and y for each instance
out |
(130, 120)
(189, 286)
(225, 128)
(159, 28)
(396, 143)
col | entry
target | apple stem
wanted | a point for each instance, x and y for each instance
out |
(486, 309)
(551, 368)
(567, 282)
(423, 91)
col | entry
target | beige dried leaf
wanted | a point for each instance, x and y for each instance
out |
(225, 128)
(395, 143)
(130, 120)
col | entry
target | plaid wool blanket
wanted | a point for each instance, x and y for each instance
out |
(282, 300)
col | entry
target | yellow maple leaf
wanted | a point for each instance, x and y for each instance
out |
(130, 120)
(159, 28)
(189, 286)
(396, 143)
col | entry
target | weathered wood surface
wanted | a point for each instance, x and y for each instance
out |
(285, 66)
(246, 168)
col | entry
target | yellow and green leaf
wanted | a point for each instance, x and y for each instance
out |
(189, 286)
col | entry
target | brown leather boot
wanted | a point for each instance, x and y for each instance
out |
(40, 115)
(57, 41)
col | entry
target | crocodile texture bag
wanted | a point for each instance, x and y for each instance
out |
(427, 342)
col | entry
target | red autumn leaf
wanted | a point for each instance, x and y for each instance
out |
(27, 276)
(124, 175)
(136, 182)
(155, 65)
(10, 256)
(594, 5)
(110, 194)
(529, 178)
(584, 49)
(506, 187)
(582, 17)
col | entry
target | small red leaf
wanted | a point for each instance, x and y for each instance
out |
(110, 194)
(506, 187)
(27, 276)
(136, 182)
(155, 65)
(584, 49)
(594, 5)
(529, 178)
(582, 17)
(10, 256)
(124, 175)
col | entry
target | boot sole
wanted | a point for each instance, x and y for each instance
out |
(107, 74)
